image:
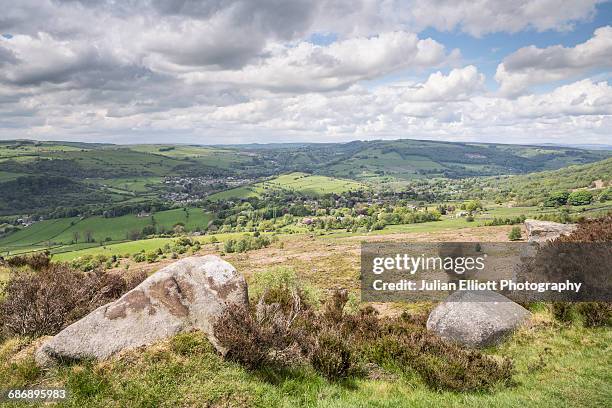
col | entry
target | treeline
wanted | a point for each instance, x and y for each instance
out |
(352, 211)
(30, 194)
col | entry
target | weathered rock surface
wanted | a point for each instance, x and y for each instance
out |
(542, 231)
(186, 295)
(476, 318)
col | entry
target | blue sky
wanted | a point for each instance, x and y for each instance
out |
(243, 71)
(487, 51)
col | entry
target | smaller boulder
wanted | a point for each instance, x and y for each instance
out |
(476, 318)
(542, 231)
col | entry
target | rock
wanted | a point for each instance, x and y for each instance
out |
(186, 295)
(476, 318)
(542, 231)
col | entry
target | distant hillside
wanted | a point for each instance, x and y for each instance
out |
(298, 182)
(115, 175)
(536, 186)
(379, 161)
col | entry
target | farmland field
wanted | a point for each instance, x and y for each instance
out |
(222, 158)
(62, 231)
(299, 182)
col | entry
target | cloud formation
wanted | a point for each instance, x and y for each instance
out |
(221, 71)
(532, 65)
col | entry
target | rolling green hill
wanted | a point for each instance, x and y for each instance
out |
(535, 186)
(408, 159)
(68, 231)
(103, 175)
(299, 182)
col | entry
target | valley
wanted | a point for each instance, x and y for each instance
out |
(79, 198)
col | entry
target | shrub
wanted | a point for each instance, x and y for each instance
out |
(556, 199)
(88, 262)
(591, 230)
(43, 302)
(151, 256)
(515, 234)
(443, 366)
(139, 257)
(335, 344)
(562, 311)
(592, 313)
(36, 261)
(595, 314)
(277, 285)
(581, 197)
(331, 355)
(246, 243)
(605, 195)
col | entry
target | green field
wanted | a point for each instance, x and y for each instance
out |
(133, 247)
(130, 184)
(369, 165)
(214, 157)
(298, 182)
(310, 184)
(238, 192)
(61, 232)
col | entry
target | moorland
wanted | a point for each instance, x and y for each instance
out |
(295, 215)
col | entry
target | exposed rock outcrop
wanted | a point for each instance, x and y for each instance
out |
(186, 295)
(542, 231)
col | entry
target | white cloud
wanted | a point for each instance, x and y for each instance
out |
(458, 84)
(477, 18)
(245, 70)
(488, 16)
(532, 65)
(308, 67)
(445, 106)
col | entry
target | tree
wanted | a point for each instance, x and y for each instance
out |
(557, 199)
(581, 197)
(515, 233)
(76, 236)
(148, 230)
(473, 205)
(606, 195)
(89, 236)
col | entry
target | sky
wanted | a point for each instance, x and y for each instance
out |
(245, 71)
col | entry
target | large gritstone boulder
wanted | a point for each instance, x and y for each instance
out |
(186, 295)
(476, 318)
(542, 231)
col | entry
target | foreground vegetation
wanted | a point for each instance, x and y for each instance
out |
(114, 214)
(347, 354)
(554, 365)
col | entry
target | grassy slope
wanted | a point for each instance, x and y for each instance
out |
(537, 184)
(300, 182)
(446, 224)
(61, 231)
(222, 158)
(133, 247)
(129, 184)
(556, 366)
(407, 159)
